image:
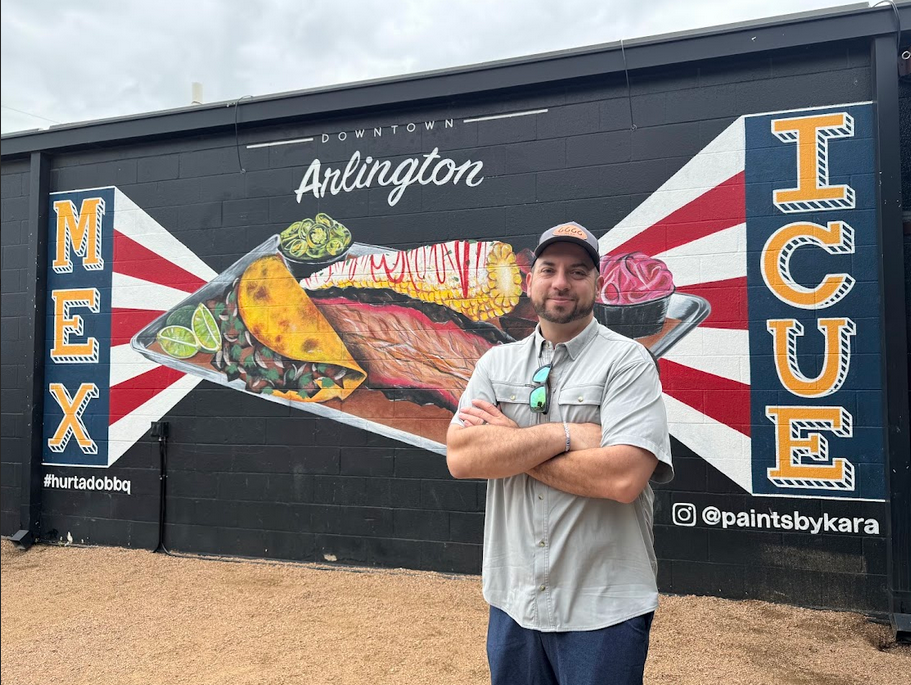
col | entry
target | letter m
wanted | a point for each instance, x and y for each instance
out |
(79, 232)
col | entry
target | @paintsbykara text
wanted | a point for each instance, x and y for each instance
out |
(685, 514)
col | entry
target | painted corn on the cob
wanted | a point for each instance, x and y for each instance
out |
(478, 279)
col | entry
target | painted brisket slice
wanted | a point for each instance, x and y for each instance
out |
(411, 350)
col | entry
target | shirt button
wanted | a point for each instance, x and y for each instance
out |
(541, 544)
(543, 588)
(512, 397)
(540, 496)
(581, 399)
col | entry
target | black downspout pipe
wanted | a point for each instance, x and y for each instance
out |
(895, 342)
(160, 431)
(35, 294)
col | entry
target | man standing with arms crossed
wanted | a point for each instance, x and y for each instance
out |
(569, 426)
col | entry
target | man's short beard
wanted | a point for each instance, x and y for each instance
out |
(574, 315)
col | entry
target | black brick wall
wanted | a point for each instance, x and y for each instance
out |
(14, 249)
(254, 478)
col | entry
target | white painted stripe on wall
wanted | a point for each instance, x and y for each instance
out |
(714, 164)
(137, 225)
(504, 116)
(719, 351)
(280, 142)
(721, 446)
(127, 363)
(124, 433)
(715, 257)
(132, 293)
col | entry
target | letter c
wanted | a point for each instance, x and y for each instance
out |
(775, 263)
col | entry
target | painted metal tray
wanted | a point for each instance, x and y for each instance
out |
(685, 312)
(690, 311)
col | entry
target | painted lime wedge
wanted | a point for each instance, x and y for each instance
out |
(206, 329)
(182, 316)
(178, 341)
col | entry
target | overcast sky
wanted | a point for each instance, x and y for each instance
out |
(64, 62)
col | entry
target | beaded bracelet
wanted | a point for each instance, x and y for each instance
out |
(566, 431)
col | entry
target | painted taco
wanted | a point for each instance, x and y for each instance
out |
(278, 342)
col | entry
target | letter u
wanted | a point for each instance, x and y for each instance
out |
(836, 359)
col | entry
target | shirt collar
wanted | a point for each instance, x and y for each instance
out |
(574, 346)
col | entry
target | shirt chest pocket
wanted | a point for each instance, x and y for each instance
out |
(512, 399)
(581, 403)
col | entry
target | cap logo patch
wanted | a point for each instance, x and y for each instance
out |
(572, 231)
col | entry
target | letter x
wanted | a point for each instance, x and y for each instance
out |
(71, 423)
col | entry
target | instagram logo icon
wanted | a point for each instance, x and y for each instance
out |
(684, 514)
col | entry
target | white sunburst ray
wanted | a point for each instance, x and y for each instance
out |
(137, 225)
(720, 160)
(720, 256)
(128, 292)
(725, 448)
(127, 363)
(127, 430)
(722, 352)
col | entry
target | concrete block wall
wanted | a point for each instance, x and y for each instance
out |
(13, 308)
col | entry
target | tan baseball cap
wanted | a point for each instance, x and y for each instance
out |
(570, 232)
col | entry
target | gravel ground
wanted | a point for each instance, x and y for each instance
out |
(73, 615)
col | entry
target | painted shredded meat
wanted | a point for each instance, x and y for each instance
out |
(411, 350)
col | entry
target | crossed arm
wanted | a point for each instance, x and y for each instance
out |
(491, 445)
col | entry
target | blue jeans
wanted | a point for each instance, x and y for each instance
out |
(610, 656)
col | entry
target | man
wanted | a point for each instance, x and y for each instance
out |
(568, 425)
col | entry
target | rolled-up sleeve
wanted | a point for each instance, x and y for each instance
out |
(633, 413)
(479, 387)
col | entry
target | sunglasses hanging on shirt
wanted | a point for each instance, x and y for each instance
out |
(539, 398)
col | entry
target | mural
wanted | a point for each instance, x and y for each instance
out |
(724, 273)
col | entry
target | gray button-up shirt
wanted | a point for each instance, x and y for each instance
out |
(555, 561)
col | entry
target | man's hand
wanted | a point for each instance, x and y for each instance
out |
(482, 412)
(491, 445)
